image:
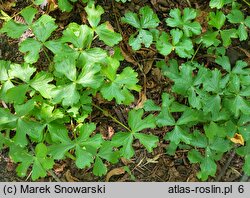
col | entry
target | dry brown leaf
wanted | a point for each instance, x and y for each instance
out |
(116, 171)
(238, 139)
(58, 168)
(111, 132)
(52, 5)
(70, 178)
(126, 161)
(142, 99)
(127, 55)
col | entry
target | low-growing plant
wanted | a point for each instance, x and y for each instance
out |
(45, 114)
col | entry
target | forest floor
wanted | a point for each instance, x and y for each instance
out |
(144, 167)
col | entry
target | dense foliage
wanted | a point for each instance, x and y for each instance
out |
(46, 116)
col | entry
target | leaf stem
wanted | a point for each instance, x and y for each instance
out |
(195, 52)
(247, 2)
(113, 118)
(68, 154)
(47, 56)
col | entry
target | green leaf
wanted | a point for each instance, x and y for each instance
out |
(31, 128)
(94, 14)
(148, 19)
(80, 36)
(23, 72)
(210, 38)
(199, 139)
(32, 49)
(185, 22)
(4, 67)
(64, 5)
(242, 32)
(163, 45)
(216, 3)
(165, 118)
(212, 104)
(13, 29)
(106, 152)
(48, 113)
(137, 124)
(90, 77)
(106, 33)
(6, 116)
(219, 145)
(67, 67)
(58, 151)
(41, 84)
(17, 94)
(184, 48)
(131, 19)
(247, 21)
(149, 105)
(195, 156)
(44, 27)
(99, 167)
(28, 14)
(91, 56)
(246, 165)
(224, 62)
(58, 133)
(235, 16)
(42, 163)
(68, 94)
(237, 105)
(226, 36)
(125, 140)
(120, 86)
(208, 167)
(217, 19)
(25, 108)
(213, 130)
(39, 2)
(188, 116)
(177, 135)
(212, 83)
(144, 37)
(149, 141)
(83, 158)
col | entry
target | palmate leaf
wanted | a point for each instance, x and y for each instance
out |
(136, 123)
(184, 22)
(107, 34)
(65, 5)
(17, 94)
(67, 94)
(94, 14)
(32, 49)
(80, 36)
(85, 145)
(144, 37)
(217, 19)
(119, 88)
(13, 29)
(147, 19)
(217, 3)
(41, 84)
(40, 162)
(23, 72)
(28, 14)
(44, 27)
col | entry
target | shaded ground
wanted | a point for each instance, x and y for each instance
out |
(156, 166)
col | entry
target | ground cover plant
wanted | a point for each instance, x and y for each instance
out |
(48, 113)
